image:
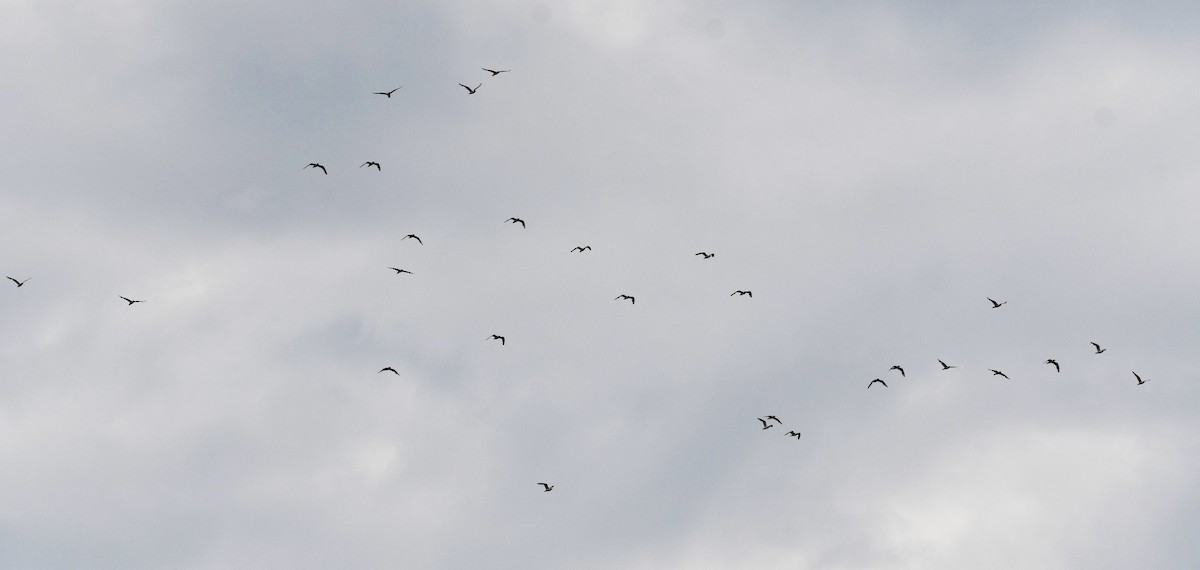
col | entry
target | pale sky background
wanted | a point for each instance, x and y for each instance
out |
(871, 172)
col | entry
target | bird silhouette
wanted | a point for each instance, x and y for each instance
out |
(414, 236)
(897, 367)
(399, 271)
(1139, 379)
(1098, 349)
(793, 433)
(631, 299)
(370, 163)
(388, 93)
(775, 418)
(996, 305)
(706, 254)
(497, 337)
(493, 72)
(388, 369)
(19, 283)
(765, 424)
(1054, 362)
(131, 301)
(999, 373)
(581, 248)
(945, 366)
(740, 293)
(548, 487)
(471, 91)
(874, 381)
(315, 165)
(516, 221)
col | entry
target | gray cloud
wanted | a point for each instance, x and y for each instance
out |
(871, 174)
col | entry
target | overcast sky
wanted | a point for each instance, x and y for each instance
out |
(872, 173)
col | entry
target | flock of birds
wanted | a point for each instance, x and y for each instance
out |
(768, 422)
(996, 305)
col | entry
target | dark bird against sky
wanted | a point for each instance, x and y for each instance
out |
(493, 72)
(945, 366)
(874, 381)
(471, 91)
(414, 236)
(371, 163)
(1054, 362)
(1139, 379)
(497, 337)
(632, 301)
(388, 93)
(795, 434)
(706, 254)
(399, 271)
(741, 293)
(388, 369)
(897, 367)
(775, 418)
(516, 221)
(765, 424)
(1098, 349)
(131, 301)
(996, 305)
(581, 248)
(20, 283)
(999, 373)
(548, 487)
(315, 165)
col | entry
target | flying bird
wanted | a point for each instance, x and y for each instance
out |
(793, 433)
(315, 165)
(388, 93)
(414, 236)
(548, 487)
(471, 91)
(19, 283)
(631, 300)
(999, 373)
(493, 72)
(1055, 363)
(497, 337)
(897, 367)
(399, 271)
(945, 366)
(1139, 379)
(388, 369)
(581, 248)
(516, 221)
(1098, 349)
(996, 305)
(131, 301)
(706, 254)
(765, 424)
(874, 381)
(774, 418)
(370, 163)
(740, 293)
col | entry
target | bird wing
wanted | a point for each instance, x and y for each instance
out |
(764, 423)
(468, 89)
(1139, 378)
(1096, 345)
(17, 282)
